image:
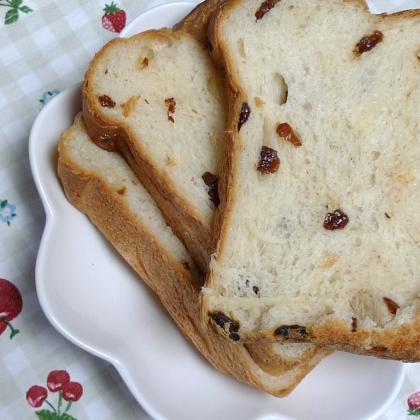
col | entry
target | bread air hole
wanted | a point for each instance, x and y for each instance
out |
(369, 306)
(281, 87)
(241, 48)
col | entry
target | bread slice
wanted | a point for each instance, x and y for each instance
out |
(319, 223)
(270, 356)
(103, 186)
(158, 99)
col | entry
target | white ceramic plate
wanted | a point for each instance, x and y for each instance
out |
(95, 300)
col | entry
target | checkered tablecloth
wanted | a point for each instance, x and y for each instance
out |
(45, 46)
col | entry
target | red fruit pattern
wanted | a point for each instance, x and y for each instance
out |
(10, 306)
(72, 391)
(414, 404)
(114, 18)
(36, 395)
(57, 381)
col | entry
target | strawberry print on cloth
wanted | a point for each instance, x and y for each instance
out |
(10, 306)
(14, 7)
(414, 404)
(114, 18)
(58, 381)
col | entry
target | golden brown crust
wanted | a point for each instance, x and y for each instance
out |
(262, 354)
(398, 344)
(177, 287)
(196, 22)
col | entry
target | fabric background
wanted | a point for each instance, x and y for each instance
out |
(43, 52)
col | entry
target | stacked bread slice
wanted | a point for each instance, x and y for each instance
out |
(271, 119)
(178, 108)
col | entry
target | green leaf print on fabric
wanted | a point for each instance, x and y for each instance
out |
(15, 6)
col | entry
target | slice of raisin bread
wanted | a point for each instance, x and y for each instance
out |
(103, 186)
(318, 228)
(275, 354)
(158, 98)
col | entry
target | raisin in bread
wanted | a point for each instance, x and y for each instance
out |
(158, 98)
(318, 228)
(103, 186)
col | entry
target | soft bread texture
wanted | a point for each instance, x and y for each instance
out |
(157, 98)
(170, 157)
(103, 186)
(278, 273)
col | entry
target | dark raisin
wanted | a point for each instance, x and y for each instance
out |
(269, 162)
(186, 265)
(292, 331)
(106, 101)
(353, 324)
(227, 325)
(255, 289)
(208, 45)
(286, 131)
(368, 42)
(244, 115)
(335, 220)
(170, 106)
(213, 183)
(265, 7)
(391, 305)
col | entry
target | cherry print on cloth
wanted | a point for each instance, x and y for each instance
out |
(414, 404)
(58, 381)
(10, 306)
(7, 210)
(14, 6)
(114, 18)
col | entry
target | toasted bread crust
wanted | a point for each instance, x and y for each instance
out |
(197, 21)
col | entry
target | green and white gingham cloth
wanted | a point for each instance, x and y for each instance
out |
(45, 47)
